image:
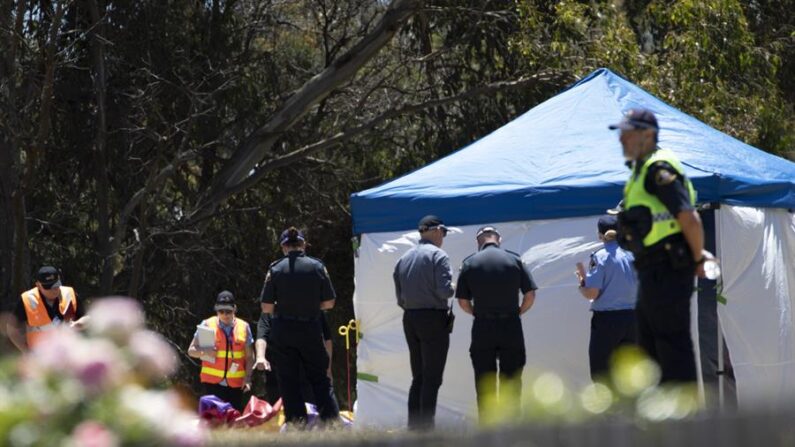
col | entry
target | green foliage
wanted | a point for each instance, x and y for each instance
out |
(701, 56)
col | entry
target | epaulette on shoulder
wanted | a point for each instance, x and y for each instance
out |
(593, 253)
(313, 259)
(514, 253)
(467, 258)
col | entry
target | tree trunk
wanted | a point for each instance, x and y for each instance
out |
(102, 183)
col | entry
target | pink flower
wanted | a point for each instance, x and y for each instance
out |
(99, 365)
(115, 317)
(56, 352)
(153, 355)
(93, 434)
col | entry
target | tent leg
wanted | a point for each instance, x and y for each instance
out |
(721, 368)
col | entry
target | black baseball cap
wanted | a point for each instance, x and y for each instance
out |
(225, 301)
(49, 277)
(431, 222)
(487, 229)
(636, 119)
(607, 223)
(286, 237)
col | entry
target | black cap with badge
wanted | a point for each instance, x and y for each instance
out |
(225, 301)
(49, 277)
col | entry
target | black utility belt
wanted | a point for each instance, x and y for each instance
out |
(294, 318)
(497, 315)
(674, 253)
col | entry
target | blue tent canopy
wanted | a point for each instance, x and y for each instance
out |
(560, 160)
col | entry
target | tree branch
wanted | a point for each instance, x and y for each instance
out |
(344, 68)
(341, 137)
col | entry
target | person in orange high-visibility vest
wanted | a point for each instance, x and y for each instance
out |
(226, 366)
(43, 308)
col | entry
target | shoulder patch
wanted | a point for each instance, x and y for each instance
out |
(664, 177)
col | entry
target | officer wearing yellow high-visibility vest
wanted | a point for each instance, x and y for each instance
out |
(43, 308)
(661, 227)
(226, 366)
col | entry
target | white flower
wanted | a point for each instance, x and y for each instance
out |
(152, 354)
(115, 317)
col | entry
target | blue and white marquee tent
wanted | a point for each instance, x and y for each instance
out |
(544, 179)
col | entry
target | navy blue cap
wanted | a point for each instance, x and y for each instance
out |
(637, 119)
(291, 235)
(225, 301)
(487, 229)
(430, 222)
(607, 223)
(49, 277)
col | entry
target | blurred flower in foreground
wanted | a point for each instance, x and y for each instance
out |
(501, 406)
(87, 391)
(152, 354)
(675, 402)
(115, 317)
(596, 398)
(632, 371)
(92, 434)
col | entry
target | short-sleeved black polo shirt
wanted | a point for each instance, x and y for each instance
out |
(297, 284)
(492, 279)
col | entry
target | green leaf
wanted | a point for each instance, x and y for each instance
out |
(367, 377)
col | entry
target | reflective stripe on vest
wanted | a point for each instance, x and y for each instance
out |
(220, 373)
(38, 320)
(229, 365)
(664, 224)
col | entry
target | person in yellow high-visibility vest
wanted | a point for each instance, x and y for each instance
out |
(43, 308)
(660, 225)
(226, 366)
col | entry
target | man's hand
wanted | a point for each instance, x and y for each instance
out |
(247, 387)
(706, 256)
(208, 352)
(580, 273)
(262, 364)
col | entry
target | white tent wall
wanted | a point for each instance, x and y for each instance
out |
(556, 329)
(757, 251)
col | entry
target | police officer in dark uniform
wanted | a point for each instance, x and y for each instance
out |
(264, 359)
(296, 288)
(661, 227)
(488, 288)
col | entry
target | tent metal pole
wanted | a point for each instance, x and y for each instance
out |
(721, 373)
(721, 363)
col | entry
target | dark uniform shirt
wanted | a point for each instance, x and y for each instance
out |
(492, 277)
(53, 311)
(265, 321)
(297, 284)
